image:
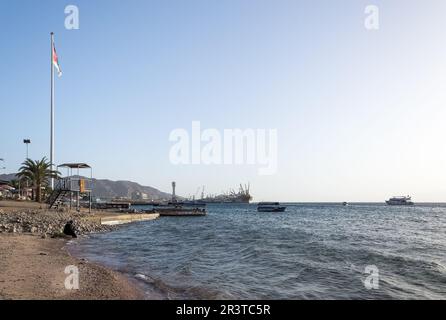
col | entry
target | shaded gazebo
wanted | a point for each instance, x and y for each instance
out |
(72, 186)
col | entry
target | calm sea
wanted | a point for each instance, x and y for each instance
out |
(312, 251)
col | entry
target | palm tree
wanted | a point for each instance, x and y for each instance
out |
(37, 173)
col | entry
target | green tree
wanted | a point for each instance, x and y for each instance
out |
(15, 183)
(38, 174)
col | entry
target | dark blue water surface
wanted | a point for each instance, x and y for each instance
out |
(309, 252)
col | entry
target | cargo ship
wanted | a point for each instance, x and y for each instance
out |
(241, 196)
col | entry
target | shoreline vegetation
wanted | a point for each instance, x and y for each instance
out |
(33, 256)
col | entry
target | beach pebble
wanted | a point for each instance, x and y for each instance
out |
(47, 223)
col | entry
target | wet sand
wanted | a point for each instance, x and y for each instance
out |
(34, 268)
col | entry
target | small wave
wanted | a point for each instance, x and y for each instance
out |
(141, 276)
(184, 291)
(317, 252)
(156, 285)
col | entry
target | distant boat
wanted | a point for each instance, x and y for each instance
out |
(177, 211)
(189, 203)
(270, 207)
(345, 203)
(400, 201)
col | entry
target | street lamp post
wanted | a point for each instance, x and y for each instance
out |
(27, 142)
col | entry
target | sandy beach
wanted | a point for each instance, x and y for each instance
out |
(33, 267)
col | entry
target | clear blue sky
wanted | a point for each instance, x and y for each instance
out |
(360, 114)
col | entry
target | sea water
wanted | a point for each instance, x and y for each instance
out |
(311, 251)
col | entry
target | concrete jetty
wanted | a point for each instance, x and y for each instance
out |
(115, 219)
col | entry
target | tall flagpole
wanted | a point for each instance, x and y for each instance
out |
(52, 110)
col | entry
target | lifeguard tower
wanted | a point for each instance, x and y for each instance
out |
(72, 187)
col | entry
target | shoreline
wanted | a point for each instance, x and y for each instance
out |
(34, 263)
(34, 268)
(143, 282)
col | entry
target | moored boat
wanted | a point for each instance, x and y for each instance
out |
(270, 207)
(189, 203)
(178, 212)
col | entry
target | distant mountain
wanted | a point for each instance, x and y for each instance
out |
(7, 177)
(107, 189)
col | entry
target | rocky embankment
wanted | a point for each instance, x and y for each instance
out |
(48, 223)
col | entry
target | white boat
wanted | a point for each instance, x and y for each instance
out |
(270, 207)
(400, 201)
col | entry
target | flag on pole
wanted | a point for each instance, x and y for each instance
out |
(56, 61)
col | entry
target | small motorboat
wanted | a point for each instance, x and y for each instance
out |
(270, 207)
